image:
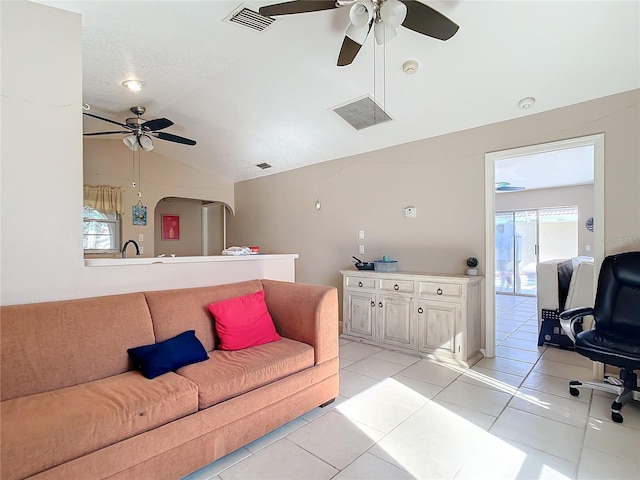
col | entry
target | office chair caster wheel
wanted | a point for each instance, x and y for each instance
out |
(616, 416)
(574, 391)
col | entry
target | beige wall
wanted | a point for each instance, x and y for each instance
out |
(443, 177)
(109, 162)
(190, 242)
(580, 195)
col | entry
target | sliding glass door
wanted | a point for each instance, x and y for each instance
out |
(526, 237)
(516, 253)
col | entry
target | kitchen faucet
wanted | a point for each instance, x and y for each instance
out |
(124, 248)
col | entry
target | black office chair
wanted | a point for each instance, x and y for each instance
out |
(615, 338)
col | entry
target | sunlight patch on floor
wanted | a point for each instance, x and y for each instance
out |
(428, 440)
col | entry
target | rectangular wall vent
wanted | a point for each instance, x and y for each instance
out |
(363, 113)
(263, 165)
(250, 19)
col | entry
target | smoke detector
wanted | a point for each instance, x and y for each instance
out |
(527, 103)
(410, 67)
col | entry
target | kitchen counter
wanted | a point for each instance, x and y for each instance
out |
(113, 262)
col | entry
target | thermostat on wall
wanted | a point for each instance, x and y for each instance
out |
(410, 212)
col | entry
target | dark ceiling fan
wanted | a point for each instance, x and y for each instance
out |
(139, 131)
(383, 15)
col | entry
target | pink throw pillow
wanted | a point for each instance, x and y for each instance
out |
(243, 322)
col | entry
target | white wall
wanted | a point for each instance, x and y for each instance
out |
(42, 175)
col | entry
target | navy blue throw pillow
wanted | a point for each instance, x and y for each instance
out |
(168, 355)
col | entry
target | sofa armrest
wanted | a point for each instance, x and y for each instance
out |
(306, 313)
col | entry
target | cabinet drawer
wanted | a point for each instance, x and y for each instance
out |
(390, 285)
(442, 290)
(360, 282)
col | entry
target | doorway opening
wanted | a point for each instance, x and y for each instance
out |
(533, 158)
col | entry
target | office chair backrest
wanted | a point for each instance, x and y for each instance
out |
(617, 305)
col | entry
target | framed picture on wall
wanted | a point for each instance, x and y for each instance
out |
(139, 215)
(170, 227)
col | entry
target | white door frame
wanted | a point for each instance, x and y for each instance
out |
(205, 225)
(490, 210)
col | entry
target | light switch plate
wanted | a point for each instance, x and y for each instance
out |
(141, 237)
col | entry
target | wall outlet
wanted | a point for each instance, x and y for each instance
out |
(141, 237)
(361, 249)
(361, 235)
(141, 248)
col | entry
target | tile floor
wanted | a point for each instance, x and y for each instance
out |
(403, 417)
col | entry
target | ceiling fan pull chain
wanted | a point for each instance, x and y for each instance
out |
(133, 168)
(139, 176)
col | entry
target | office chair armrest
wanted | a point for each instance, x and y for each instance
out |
(571, 320)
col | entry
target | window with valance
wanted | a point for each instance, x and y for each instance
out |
(101, 218)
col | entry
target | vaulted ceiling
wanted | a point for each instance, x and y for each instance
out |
(252, 97)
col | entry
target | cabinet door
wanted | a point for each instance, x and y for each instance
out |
(360, 314)
(436, 326)
(395, 318)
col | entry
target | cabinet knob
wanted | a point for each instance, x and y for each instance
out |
(380, 304)
(360, 284)
(420, 310)
(373, 304)
(439, 291)
(396, 287)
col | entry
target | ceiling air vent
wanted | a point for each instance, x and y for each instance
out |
(263, 166)
(363, 113)
(247, 18)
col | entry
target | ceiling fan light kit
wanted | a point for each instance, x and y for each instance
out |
(391, 15)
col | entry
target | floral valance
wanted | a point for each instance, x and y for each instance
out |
(105, 198)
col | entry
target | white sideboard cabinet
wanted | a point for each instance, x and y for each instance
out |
(432, 315)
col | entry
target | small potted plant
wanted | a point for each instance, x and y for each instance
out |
(472, 264)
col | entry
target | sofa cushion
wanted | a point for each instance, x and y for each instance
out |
(243, 322)
(52, 345)
(175, 311)
(169, 355)
(47, 429)
(228, 374)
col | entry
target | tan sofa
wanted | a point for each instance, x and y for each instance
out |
(73, 407)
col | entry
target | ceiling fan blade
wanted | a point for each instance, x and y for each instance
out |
(173, 138)
(297, 6)
(104, 133)
(348, 52)
(427, 21)
(350, 47)
(157, 124)
(105, 119)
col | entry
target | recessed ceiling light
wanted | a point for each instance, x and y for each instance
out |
(133, 85)
(527, 103)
